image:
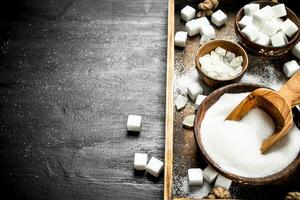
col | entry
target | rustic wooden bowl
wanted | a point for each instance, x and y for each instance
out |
(229, 46)
(278, 178)
(263, 50)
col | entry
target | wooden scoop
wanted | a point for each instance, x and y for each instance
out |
(277, 104)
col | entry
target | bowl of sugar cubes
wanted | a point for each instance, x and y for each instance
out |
(267, 28)
(221, 62)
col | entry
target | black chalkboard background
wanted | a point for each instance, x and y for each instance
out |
(70, 73)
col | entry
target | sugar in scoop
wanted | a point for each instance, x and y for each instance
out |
(235, 145)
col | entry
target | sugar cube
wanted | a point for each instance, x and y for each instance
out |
(236, 61)
(188, 121)
(215, 57)
(192, 27)
(154, 166)
(245, 21)
(262, 15)
(251, 8)
(180, 102)
(219, 18)
(223, 182)
(204, 39)
(296, 50)
(209, 31)
(209, 174)
(203, 21)
(220, 51)
(180, 39)
(140, 161)
(239, 69)
(199, 100)
(289, 27)
(134, 123)
(205, 60)
(279, 10)
(229, 56)
(263, 39)
(269, 28)
(290, 68)
(251, 32)
(194, 90)
(188, 13)
(278, 39)
(195, 176)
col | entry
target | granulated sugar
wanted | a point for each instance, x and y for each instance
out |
(235, 146)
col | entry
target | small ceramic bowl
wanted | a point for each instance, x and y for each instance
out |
(279, 178)
(229, 46)
(267, 50)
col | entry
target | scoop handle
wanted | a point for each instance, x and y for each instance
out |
(290, 91)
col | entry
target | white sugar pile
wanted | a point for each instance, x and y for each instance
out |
(235, 146)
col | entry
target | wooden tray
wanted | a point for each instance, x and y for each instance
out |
(181, 152)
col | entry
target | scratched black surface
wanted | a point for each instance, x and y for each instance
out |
(70, 73)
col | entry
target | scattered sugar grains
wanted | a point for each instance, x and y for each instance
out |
(238, 151)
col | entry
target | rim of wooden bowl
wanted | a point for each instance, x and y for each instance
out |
(284, 48)
(211, 45)
(205, 105)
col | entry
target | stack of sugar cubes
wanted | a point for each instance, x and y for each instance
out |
(266, 26)
(200, 25)
(221, 64)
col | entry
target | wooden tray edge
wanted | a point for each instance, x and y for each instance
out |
(168, 176)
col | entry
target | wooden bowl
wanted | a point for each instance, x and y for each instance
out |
(229, 46)
(263, 50)
(277, 178)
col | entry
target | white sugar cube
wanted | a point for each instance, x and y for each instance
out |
(154, 166)
(140, 161)
(251, 8)
(290, 68)
(236, 61)
(229, 56)
(203, 21)
(192, 27)
(220, 51)
(279, 10)
(269, 28)
(189, 121)
(204, 39)
(278, 39)
(219, 18)
(180, 39)
(194, 90)
(239, 69)
(205, 60)
(209, 174)
(296, 50)
(289, 27)
(180, 102)
(195, 176)
(263, 39)
(215, 57)
(188, 13)
(223, 182)
(199, 100)
(245, 21)
(251, 32)
(134, 123)
(262, 15)
(209, 31)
